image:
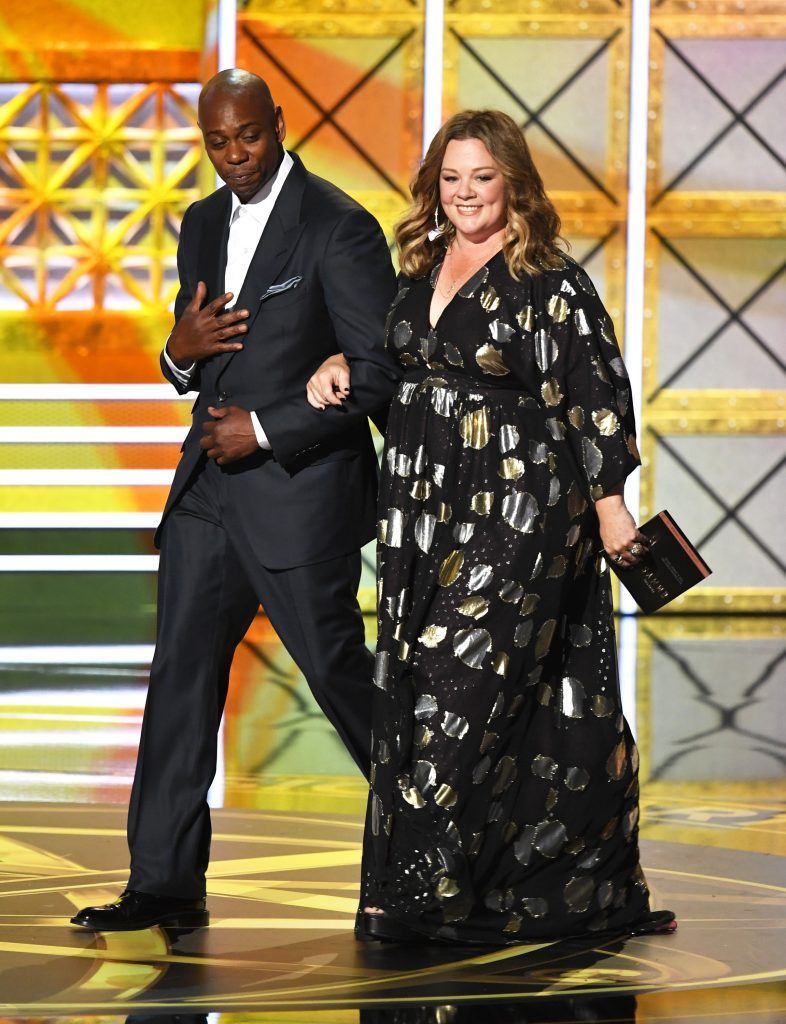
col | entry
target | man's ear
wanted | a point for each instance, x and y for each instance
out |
(281, 127)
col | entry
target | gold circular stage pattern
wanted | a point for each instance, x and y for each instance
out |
(283, 896)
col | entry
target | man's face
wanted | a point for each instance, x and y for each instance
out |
(243, 136)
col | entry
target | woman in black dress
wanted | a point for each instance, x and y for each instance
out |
(504, 792)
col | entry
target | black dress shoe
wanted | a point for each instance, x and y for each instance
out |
(137, 910)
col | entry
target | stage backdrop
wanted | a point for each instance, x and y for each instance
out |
(99, 156)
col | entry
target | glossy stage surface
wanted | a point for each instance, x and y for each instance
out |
(282, 896)
(288, 813)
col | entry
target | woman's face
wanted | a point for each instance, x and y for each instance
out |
(472, 190)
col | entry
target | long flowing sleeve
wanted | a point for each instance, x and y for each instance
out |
(589, 387)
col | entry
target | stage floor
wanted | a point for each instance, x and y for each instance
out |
(709, 704)
(283, 894)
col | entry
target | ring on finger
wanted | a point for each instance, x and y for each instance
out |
(637, 549)
(618, 559)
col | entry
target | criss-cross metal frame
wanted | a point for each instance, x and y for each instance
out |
(594, 249)
(734, 315)
(738, 117)
(534, 115)
(328, 115)
(731, 512)
(727, 713)
(680, 207)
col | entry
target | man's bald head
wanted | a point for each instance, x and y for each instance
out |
(237, 82)
(243, 130)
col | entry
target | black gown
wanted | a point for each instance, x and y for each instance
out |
(504, 791)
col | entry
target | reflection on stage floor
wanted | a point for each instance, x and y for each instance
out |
(288, 818)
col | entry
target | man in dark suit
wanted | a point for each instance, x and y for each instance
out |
(272, 499)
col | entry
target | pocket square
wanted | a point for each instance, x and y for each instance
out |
(284, 286)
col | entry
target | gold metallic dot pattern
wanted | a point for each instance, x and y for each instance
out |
(432, 636)
(552, 395)
(475, 428)
(474, 607)
(500, 663)
(490, 360)
(489, 299)
(494, 726)
(526, 319)
(451, 567)
(511, 469)
(482, 502)
(606, 421)
(557, 308)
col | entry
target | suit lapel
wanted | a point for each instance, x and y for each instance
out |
(278, 240)
(212, 259)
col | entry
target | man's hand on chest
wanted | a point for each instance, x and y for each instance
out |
(201, 333)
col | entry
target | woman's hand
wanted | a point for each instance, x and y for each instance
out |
(622, 541)
(330, 384)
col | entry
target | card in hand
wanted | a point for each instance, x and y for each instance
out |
(671, 566)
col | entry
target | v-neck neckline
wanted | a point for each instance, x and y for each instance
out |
(433, 277)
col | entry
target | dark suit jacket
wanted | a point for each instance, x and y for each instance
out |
(320, 282)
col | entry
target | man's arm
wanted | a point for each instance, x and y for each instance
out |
(182, 380)
(359, 284)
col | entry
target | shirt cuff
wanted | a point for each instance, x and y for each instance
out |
(182, 376)
(262, 440)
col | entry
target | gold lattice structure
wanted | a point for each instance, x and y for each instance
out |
(709, 690)
(100, 155)
(714, 395)
(712, 442)
(92, 222)
(560, 70)
(714, 383)
(349, 78)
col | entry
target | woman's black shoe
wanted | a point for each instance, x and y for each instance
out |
(657, 922)
(381, 928)
(360, 927)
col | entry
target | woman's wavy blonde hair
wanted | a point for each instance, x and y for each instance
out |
(533, 224)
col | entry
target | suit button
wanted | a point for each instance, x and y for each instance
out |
(222, 396)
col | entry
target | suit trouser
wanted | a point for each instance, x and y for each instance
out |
(210, 585)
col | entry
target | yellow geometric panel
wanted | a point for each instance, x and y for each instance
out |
(94, 181)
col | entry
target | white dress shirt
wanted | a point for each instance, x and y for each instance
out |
(246, 223)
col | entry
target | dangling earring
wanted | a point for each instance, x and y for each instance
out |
(438, 228)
